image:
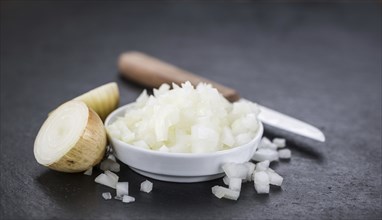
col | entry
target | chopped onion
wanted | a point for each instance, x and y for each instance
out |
(186, 120)
(89, 171)
(265, 154)
(234, 170)
(106, 180)
(128, 199)
(122, 188)
(106, 195)
(235, 184)
(266, 143)
(112, 175)
(261, 181)
(251, 168)
(223, 192)
(279, 142)
(274, 178)
(112, 157)
(285, 154)
(146, 186)
(226, 180)
(109, 164)
(262, 166)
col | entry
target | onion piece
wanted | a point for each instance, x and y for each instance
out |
(112, 157)
(72, 139)
(106, 195)
(262, 166)
(111, 165)
(128, 199)
(251, 168)
(265, 154)
(285, 154)
(106, 180)
(279, 142)
(266, 143)
(274, 178)
(235, 184)
(235, 170)
(112, 175)
(122, 188)
(222, 192)
(89, 171)
(261, 182)
(226, 180)
(146, 186)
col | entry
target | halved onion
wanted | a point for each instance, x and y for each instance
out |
(72, 139)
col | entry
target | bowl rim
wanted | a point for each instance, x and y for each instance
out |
(117, 111)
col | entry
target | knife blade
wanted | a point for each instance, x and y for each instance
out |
(152, 72)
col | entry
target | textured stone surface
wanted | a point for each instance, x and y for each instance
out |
(318, 62)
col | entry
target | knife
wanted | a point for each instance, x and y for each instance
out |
(152, 72)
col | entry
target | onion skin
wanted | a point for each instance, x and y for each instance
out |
(89, 149)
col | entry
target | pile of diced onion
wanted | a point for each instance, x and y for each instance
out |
(185, 119)
(111, 179)
(260, 173)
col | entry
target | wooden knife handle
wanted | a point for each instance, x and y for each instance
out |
(152, 72)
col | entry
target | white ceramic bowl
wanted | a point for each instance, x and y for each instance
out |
(179, 167)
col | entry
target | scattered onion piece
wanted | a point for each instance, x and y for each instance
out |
(146, 186)
(285, 154)
(106, 195)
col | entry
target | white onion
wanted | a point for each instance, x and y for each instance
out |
(235, 184)
(261, 182)
(265, 154)
(106, 180)
(128, 199)
(234, 170)
(266, 143)
(109, 164)
(262, 166)
(112, 175)
(106, 195)
(122, 188)
(279, 142)
(226, 180)
(223, 192)
(186, 120)
(285, 154)
(112, 157)
(89, 172)
(146, 186)
(274, 178)
(251, 168)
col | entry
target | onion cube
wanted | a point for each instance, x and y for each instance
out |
(112, 157)
(285, 154)
(122, 188)
(274, 178)
(234, 170)
(266, 143)
(89, 171)
(106, 180)
(146, 186)
(128, 199)
(261, 180)
(251, 168)
(226, 180)
(262, 166)
(223, 192)
(265, 154)
(235, 184)
(109, 164)
(112, 175)
(106, 195)
(279, 142)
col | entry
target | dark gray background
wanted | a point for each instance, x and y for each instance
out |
(318, 62)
